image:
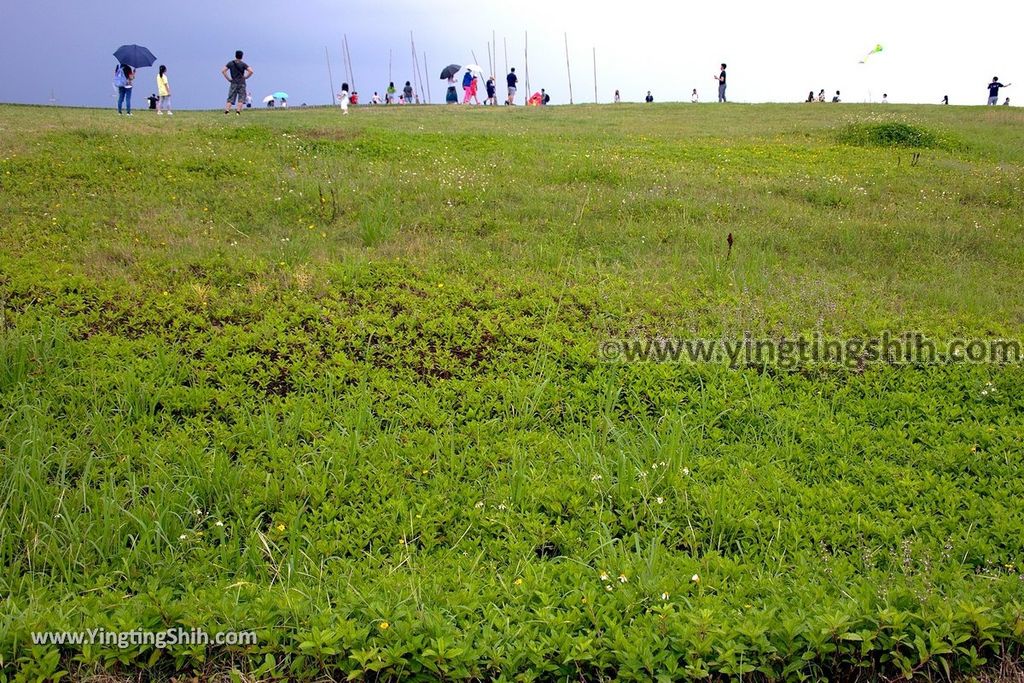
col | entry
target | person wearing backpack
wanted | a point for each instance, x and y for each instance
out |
(123, 80)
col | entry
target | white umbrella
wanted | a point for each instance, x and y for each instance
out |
(475, 68)
(268, 98)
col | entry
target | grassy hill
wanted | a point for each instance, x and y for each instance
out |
(344, 382)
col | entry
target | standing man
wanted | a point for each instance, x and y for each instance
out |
(993, 90)
(512, 81)
(239, 72)
(492, 92)
(721, 85)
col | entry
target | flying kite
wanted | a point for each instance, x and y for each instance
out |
(878, 48)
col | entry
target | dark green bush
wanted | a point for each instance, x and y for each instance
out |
(893, 134)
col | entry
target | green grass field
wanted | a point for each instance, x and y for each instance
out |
(338, 381)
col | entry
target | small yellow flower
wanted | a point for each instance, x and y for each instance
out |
(583, 600)
(518, 582)
(280, 527)
(383, 626)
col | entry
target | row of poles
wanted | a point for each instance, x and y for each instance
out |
(421, 80)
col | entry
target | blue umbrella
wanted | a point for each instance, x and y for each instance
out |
(134, 56)
(281, 95)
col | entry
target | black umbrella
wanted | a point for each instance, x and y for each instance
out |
(134, 56)
(450, 71)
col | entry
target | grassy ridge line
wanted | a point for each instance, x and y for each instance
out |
(390, 401)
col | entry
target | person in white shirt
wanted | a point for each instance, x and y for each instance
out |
(343, 98)
(693, 96)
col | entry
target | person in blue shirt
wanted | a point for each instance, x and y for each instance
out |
(512, 80)
(993, 90)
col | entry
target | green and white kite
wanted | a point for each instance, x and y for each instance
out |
(878, 48)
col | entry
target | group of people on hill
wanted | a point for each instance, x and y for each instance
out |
(236, 72)
(124, 83)
(821, 96)
(720, 78)
(471, 88)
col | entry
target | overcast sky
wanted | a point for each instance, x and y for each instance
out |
(776, 51)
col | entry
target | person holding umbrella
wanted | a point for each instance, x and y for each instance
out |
(448, 74)
(129, 58)
(124, 77)
(240, 73)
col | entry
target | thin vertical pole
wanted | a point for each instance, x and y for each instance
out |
(506, 53)
(415, 68)
(351, 69)
(526, 65)
(595, 74)
(330, 76)
(426, 71)
(567, 69)
(390, 78)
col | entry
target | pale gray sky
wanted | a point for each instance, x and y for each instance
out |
(776, 51)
